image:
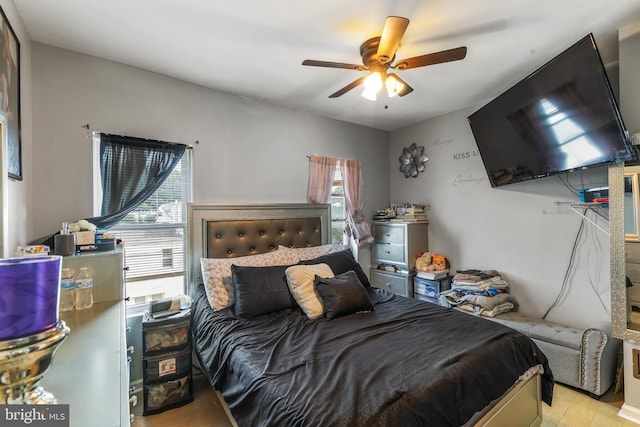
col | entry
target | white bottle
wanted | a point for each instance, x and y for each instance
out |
(84, 289)
(67, 291)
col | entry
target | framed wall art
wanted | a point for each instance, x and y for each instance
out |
(10, 95)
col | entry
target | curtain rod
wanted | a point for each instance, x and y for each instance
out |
(189, 147)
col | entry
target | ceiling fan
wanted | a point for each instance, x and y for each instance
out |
(378, 53)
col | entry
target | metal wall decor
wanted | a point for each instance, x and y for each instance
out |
(412, 161)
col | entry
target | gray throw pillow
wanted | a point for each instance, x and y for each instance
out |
(342, 295)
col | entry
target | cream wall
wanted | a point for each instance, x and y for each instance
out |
(526, 231)
(248, 151)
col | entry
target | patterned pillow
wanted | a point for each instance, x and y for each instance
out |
(216, 274)
(300, 279)
(313, 251)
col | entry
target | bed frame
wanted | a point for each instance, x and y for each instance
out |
(223, 230)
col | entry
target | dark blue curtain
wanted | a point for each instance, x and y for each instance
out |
(131, 170)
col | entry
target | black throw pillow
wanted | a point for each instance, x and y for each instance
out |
(342, 295)
(260, 290)
(341, 262)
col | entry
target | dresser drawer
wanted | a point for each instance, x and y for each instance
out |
(396, 283)
(388, 253)
(389, 234)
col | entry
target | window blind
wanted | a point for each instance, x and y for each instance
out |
(154, 233)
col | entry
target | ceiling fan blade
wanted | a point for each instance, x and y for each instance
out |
(348, 87)
(406, 90)
(394, 28)
(432, 58)
(328, 64)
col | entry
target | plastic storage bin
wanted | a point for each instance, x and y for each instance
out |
(429, 290)
(165, 366)
(166, 334)
(166, 351)
(167, 395)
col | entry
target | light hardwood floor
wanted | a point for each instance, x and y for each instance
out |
(571, 408)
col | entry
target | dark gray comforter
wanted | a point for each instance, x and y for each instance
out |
(407, 363)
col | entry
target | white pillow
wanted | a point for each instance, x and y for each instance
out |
(300, 279)
(312, 252)
(216, 274)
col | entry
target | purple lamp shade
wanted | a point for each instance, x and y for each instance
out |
(29, 294)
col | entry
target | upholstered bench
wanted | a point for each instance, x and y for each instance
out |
(582, 358)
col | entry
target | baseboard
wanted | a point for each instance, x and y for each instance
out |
(630, 413)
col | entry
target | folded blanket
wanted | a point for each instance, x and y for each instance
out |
(495, 282)
(479, 304)
(474, 275)
(500, 308)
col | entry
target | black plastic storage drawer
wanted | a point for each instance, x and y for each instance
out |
(167, 334)
(167, 395)
(167, 365)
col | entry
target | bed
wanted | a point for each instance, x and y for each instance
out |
(397, 362)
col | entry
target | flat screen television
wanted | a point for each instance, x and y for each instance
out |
(561, 118)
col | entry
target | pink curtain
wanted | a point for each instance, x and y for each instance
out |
(321, 172)
(357, 227)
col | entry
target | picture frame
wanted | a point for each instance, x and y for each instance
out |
(10, 95)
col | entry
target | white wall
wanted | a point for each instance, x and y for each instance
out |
(525, 231)
(248, 151)
(19, 192)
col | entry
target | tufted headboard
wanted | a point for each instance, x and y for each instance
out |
(227, 231)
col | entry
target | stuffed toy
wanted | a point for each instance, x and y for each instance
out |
(431, 262)
(424, 262)
(439, 262)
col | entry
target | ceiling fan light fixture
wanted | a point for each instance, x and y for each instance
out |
(378, 54)
(372, 85)
(371, 95)
(393, 86)
(373, 82)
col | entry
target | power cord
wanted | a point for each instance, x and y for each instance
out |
(563, 288)
(598, 247)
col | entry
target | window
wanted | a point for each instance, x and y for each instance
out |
(338, 207)
(154, 235)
